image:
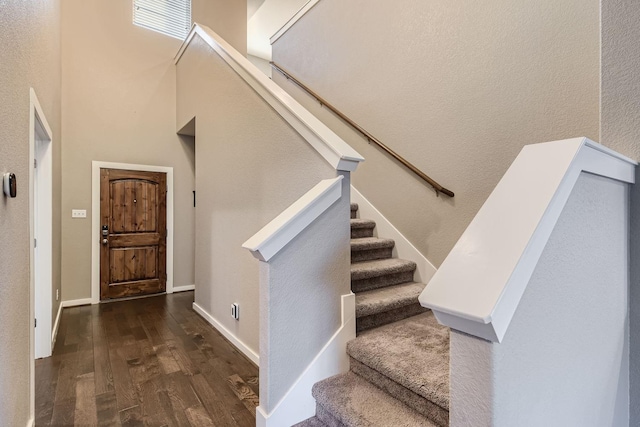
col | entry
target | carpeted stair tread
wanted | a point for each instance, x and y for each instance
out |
(311, 422)
(380, 267)
(361, 227)
(355, 402)
(370, 243)
(413, 352)
(389, 298)
(354, 210)
(371, 248)
(362, 223)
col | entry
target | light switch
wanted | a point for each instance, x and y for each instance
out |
(78, 213)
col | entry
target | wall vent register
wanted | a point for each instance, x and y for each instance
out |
(170, 17)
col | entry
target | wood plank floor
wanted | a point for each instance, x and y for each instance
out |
(150, 361)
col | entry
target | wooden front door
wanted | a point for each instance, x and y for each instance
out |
(133, 233)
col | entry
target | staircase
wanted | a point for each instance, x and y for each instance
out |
(399, 361)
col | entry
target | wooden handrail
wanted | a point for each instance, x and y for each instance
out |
(437, 187)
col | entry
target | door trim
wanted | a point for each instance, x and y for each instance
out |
(95, 220)
(38, 119)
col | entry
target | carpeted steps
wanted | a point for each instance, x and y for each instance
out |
(371, 248)
(379, 273)
(400, 359)
(362, 228)
(409, 359)
(385, 305)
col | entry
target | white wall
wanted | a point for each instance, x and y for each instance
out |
(30, 39)
(565, 358)
(300, 296)
(119, 104)
(457, 88)
(250, 166)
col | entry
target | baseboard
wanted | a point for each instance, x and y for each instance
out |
(54, 333)
(76, 302)
(245, 349)
(298, 404)
(184, 288)
(404, 248)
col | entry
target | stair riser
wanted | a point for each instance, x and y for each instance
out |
(327, 417)
(357, 233)
(370, 255)
(381, 281)
(435, 413)
(379, 319)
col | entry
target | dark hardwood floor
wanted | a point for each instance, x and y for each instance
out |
(150, 361)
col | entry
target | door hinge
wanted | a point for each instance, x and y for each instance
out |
(35, 243)
(35, 323)
(35, 163)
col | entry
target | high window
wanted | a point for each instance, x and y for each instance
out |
(170, 17)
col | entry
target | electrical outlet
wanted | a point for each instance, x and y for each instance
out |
(78, 213)
(235, 311)
(57, 294)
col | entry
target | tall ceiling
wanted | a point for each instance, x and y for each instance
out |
(267, 18)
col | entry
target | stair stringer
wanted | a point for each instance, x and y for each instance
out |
(403, 249)
(298, 404)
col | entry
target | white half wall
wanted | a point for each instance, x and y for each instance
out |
(298, 404)
(564, 360)
(301, 289)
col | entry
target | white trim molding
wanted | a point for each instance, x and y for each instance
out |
(403, 248)
(37, 120)
(245, 349)
(298, 404)
(76, 302)
(479, 285)
(295, 18)
(282, 229)
(56, 325)
(330, 146)
(95, 220)
(184, 288)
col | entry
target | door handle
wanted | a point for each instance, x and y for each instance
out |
(105, 241)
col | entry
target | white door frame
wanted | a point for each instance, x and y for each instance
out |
(41, 228)
(95, 221)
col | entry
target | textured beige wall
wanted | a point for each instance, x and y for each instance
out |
(620, 130)
(457, 88)
(30, 39)
(250, 166)
(621, 76)
(118, 94)
(228, 18)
